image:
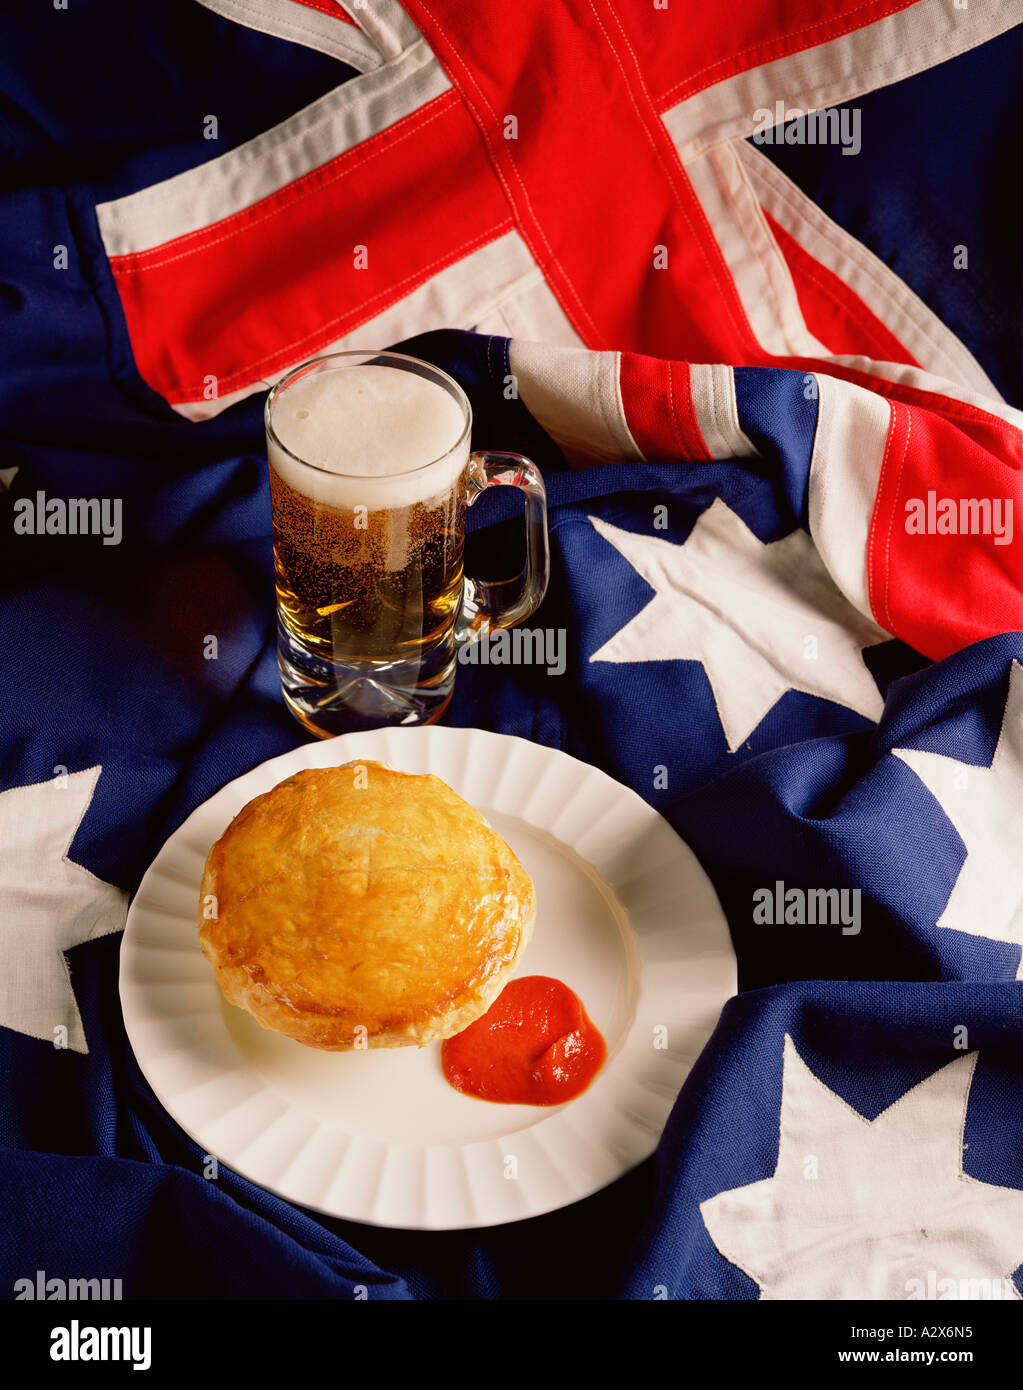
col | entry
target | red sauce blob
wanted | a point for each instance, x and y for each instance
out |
(535, 1045)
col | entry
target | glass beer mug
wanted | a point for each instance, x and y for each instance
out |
(370, 476)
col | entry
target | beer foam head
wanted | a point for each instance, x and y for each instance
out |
(365, 430)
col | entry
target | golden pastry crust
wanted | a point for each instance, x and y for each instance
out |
(358, 898)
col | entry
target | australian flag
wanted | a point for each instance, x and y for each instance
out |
(770, 368)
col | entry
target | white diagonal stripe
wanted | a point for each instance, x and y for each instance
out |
(876, 55)
(283, 19)
(890, 299)
(320, 132)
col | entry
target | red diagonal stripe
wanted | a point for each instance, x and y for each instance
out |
(594, 181)
(272, 284)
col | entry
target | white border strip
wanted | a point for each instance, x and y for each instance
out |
(285, 19)
(498, 275)
(532, 311)
(849, 444)
(916, 38)
(337, 122)
(768, 294)
(385, 22)
(575, 395)
(920, 380)
(902, 312)
(755, 263)
(717, 413)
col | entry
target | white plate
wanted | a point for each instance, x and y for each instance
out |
(627, 918)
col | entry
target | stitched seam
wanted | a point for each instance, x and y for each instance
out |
(944, 406)
(286, 27)
(186, 393)
(871, 539)
(721, 415)
(630, 442)
(385, 35)
(726, 410)
(290, 193)
(947, 407)
(865, 79)
(514, 288)
(712, 379)
(788, 315)
(676, 431)
(672, 415)
(829, 234)
(891, 520)
(670, 170)
(135, 262)
(795, 34)
(702, 217)
(328, 7)
(243, 156)
(883, 291)
(699, 445)
(481, 95)
(736, 438)
(832, 237)
(870, 334)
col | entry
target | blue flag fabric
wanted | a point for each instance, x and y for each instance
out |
(104, 667)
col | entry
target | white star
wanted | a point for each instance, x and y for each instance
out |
(763, 619)
(47, 905)
(985, 804)
(860, 1209)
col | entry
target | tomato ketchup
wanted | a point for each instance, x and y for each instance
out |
(535, 1045)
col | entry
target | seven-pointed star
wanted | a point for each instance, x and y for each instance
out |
(985, 804)
(763, 618)
(879, 1208)
(47, 905)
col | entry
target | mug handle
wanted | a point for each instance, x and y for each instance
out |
(484, 606)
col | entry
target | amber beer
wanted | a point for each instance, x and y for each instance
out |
(367, 586)
(370, 476)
